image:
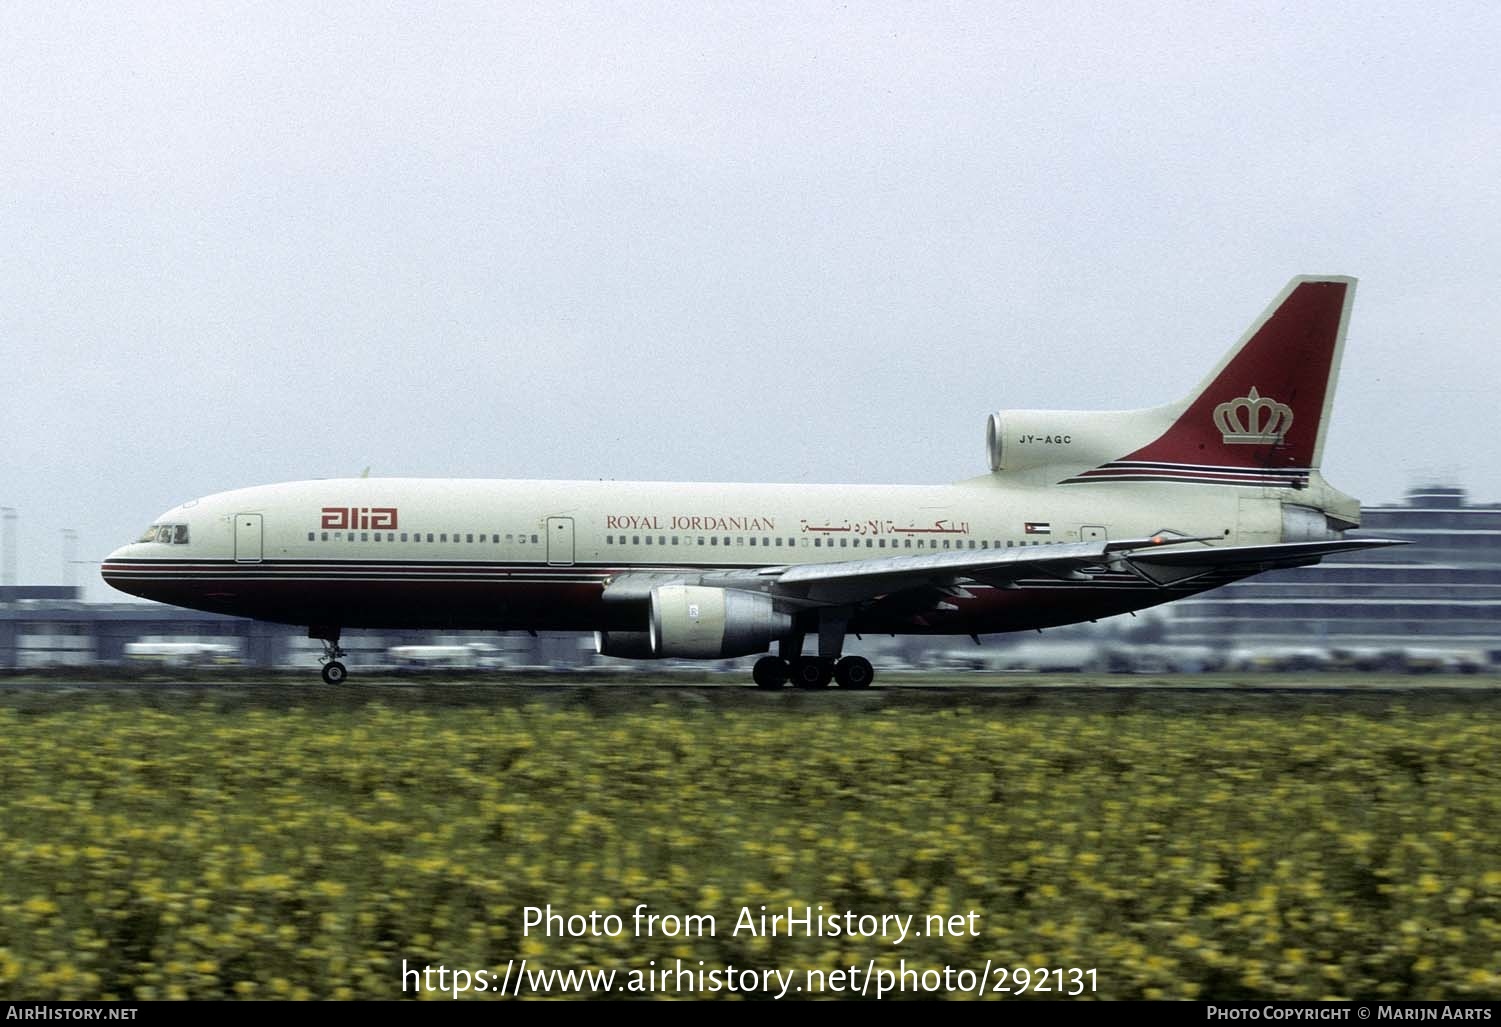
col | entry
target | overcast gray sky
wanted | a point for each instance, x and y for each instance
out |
(739, 242)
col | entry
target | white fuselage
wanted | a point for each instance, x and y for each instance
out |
(512, 555)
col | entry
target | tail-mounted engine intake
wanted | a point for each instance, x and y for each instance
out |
(697, 622)
(1018, 440)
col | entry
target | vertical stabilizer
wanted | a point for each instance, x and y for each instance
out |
(1260, 417)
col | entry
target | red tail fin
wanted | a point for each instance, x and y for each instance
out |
(1265, 408)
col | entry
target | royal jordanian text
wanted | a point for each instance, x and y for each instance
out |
(682, 522)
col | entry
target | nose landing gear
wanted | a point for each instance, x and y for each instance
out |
(334, 672)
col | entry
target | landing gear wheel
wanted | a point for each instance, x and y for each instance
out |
(808, 672)
(335, 672)
(770, 673)
(854, 672)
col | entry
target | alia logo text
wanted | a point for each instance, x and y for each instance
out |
(377, 517)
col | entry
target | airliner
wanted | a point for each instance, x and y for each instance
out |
(1082, 515)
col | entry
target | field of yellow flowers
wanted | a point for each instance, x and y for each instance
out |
(1283, 848)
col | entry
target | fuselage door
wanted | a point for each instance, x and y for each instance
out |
(248, 538)
(1092, 533)
(560, 541)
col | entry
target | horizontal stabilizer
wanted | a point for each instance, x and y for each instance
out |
(1221, 556)
(1181, 564)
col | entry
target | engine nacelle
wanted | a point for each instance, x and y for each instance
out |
(632, 645)
(702, 623)
(1017, 440)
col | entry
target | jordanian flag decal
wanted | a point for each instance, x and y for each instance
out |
(1039, 528)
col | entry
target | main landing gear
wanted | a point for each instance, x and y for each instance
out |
(772, 672)
(812, 672)
(334, 672)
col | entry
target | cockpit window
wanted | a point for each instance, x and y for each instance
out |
(168, 534)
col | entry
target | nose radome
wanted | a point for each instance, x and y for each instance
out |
(112, 571)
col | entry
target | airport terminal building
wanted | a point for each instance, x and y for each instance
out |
(1443, 591)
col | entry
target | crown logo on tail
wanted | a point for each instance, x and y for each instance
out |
(1253, 419)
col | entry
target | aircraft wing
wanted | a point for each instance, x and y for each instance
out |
(851, 581)
(848, 581)
(1161, 559)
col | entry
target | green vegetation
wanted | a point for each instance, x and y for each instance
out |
(297, 843)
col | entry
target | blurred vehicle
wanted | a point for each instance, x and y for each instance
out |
(468, 656)
(1279, 658)
(1433, 660)
(183, 654)
(1053, 657)
(1160, 659)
